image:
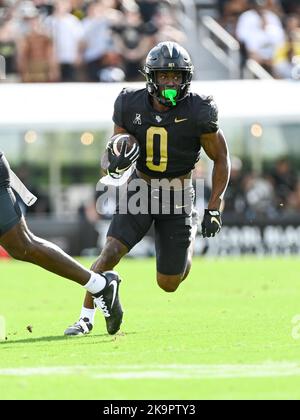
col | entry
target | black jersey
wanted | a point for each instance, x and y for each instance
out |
(169, 141)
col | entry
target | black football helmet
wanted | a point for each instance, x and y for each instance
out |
(168, 56)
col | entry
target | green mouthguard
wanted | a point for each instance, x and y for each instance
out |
(170, 94)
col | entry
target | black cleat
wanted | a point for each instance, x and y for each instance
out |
(109, 303)
(81, 327)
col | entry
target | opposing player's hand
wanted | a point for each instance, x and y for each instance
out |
(211, 224)
(119, 164)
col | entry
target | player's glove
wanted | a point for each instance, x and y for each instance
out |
(211, 224)
(119, 164)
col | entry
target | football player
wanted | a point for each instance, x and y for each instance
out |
(21, 244)
(171, 126)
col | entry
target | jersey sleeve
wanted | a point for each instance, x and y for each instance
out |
(208, 117)
(118, 110)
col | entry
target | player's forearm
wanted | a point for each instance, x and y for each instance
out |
(220, 179)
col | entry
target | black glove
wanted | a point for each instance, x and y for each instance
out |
(119, 164)
(211, 223)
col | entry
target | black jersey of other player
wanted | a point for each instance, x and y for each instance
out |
(169, 141)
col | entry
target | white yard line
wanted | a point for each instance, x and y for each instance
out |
(261, 370)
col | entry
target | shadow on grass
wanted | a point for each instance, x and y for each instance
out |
(91, 339)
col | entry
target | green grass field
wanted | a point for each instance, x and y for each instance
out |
(225, 334)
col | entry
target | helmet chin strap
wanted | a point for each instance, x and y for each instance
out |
(170, 95)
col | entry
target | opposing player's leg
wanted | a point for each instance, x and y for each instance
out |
(21, 244)
(124, 233)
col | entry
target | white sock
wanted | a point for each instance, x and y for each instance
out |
(96, 283)
(88, 313)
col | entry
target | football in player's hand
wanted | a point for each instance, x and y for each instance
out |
(123, 150)
(117, 142)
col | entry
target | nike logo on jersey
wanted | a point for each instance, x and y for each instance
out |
(114, 284)
(177, 120)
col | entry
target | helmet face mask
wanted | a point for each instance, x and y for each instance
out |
(168, 56)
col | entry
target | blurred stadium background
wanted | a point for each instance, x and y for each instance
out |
(66, 61)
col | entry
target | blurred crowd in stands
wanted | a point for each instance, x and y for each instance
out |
(78, 40)
(268, 32)
(107, 40)
(274, 194)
